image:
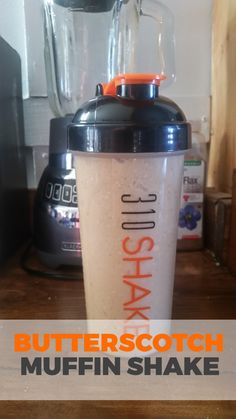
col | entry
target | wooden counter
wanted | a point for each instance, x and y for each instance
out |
(202, 291)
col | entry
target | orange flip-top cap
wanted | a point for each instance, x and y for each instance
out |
(131, 78)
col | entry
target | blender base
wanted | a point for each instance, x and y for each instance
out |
(56, 261)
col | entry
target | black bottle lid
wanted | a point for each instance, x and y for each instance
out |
(129, 116)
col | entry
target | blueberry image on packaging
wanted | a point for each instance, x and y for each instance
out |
(188, 217)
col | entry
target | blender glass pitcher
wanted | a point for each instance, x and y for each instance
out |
(90, 41)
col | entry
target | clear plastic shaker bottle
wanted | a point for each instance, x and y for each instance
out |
(128, 146)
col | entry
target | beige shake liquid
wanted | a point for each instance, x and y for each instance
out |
(128, 214)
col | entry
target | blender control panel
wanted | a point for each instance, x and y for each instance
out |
(60, 192)
(60, 202)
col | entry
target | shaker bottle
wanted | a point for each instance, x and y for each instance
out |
(128, 146)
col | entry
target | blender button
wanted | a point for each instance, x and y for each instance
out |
(48, 191)
(67, 193)
(57, 192)
(74, 199)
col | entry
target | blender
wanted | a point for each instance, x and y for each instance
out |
(87, 42)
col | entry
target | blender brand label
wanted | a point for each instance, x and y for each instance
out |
(137, 250)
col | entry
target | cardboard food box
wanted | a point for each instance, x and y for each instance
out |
(190, 230)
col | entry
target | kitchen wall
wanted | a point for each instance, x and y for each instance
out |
(193, 62)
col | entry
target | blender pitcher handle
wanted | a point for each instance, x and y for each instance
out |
(165, 37)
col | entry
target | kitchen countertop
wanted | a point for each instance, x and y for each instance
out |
(203, 290)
